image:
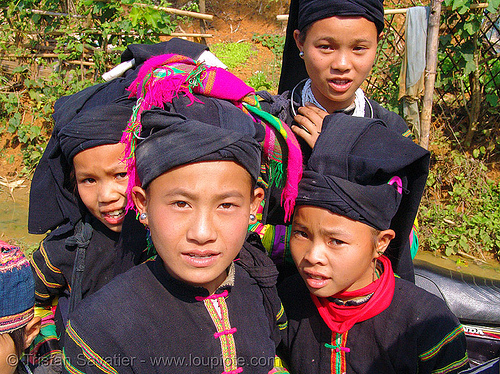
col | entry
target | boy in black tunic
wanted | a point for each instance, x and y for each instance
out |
(208, 302)
(348, 313)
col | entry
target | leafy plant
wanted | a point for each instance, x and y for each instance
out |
(469, 68)
(233, 54)
(269, 77)
(461, 209)
(260, 81)
(274, 42)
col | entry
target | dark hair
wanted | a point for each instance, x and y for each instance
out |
(18, 339)
(303, 33)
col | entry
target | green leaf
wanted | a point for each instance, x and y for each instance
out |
(492, 99)
(470, 66)
(493, 6)
(134, 16)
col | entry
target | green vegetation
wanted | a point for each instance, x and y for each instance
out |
(461, 212)
(233, 54)
(268, 78)
(272, 41)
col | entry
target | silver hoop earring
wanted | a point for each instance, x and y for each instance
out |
(301, 54)
(252, 217)
(143, 216)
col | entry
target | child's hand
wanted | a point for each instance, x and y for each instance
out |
(310, 121)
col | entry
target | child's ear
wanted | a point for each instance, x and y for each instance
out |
(31, 330)
(296, 34)
(258, 196)
(140, 201)
(383, 239)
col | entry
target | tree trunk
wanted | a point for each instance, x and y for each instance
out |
(430, 71)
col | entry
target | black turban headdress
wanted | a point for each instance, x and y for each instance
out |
(304, 12)
(362, 170)
(172, 140)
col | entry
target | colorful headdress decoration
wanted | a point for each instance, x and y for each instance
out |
(163, 78)
(17, 289)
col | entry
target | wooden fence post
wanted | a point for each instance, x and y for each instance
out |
(430, 71)
(201, 4)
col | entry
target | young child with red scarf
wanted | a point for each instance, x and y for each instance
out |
(349, 313)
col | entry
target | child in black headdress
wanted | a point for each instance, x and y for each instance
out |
(86, 173)
(348, 313)
(78, 193)
(207, 303)
(329, 51)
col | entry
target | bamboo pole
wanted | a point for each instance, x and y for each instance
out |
(430, 71)
(179, 12)
(201, 4)
(98, 32)
(55, 14)
(284, 17)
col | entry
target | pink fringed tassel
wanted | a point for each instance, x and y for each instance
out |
(294, 175)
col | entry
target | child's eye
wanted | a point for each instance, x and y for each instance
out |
(87, 181)
(180, 204)
(299, 234)
(122, 175)
(360, 48)
(333, 241)
(226, 205)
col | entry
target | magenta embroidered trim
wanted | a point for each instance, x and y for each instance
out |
(239, 370)
(225, 332)
(211, 297)
(399, 183)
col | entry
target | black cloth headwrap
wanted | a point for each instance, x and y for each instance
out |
(353, 160)
(142, 52)
(171, 140)
(314, 10)
(51, 203)
(372, 205)
(304, 12)
(101, 125)
(52, 200)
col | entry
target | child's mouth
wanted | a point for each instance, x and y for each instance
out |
(201, 259)
(115, 217)
(340, 85)
(315, 281)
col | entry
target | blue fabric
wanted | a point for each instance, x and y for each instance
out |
(17, 286)
(416, 41)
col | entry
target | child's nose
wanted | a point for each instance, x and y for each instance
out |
(316, 255)
(108, 193)
(342, 61)
(202, 229)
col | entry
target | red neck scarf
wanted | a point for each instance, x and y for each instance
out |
(340, 318)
